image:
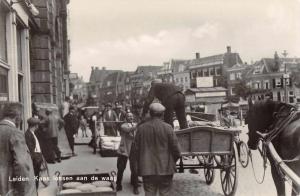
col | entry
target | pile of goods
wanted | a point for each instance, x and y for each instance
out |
(110, 143)
(78, 187)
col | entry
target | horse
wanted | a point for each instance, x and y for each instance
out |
(266, 115)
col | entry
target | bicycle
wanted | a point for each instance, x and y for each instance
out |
(243, 151)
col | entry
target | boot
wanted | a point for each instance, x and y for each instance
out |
(136, 190)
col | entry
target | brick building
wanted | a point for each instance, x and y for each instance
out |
(50, 52)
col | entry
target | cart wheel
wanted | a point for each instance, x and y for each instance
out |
(44, 173)
(229, 173)
(243, 154)
(209, 172)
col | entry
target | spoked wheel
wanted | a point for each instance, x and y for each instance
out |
(243, 154)
(209, 172)
(44, 173)
(229, 173)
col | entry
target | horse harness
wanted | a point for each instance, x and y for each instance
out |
(284, 118)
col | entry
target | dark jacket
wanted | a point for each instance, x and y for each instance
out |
(156, 148)
(15, 161)
(71, 124)
(161, 91)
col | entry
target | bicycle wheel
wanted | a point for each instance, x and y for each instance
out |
(44, 176)
(243, 154)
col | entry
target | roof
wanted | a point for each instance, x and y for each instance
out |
(98, 75)
(147, 68)
(207, 89)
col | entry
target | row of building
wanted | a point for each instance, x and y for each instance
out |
(34, 52)
(204, 80)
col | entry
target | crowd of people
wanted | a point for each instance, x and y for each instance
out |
(147, 141)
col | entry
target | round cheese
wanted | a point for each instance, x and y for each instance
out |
(86, 187)
(71, 185)
(70, 191)
(102, 183)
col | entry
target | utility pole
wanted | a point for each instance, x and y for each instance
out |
(286, 77)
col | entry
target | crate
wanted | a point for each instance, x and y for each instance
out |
(87, 178)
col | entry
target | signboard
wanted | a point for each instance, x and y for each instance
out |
(211, 94)
(204, 82)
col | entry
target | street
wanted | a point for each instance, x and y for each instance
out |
(185, 184)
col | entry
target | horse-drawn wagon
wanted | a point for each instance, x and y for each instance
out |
(215, 148)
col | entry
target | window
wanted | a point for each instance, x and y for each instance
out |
(3, 46)
(278, 82)
(3, 84)
(200, 73)
(278, 96)
(267, 85)
(232, 76)
(205, 72)
(291, 93)
(186, 79)
(257, 69)
(211, 71)
(194, 74)
(181, 80)
(218, 71)
(239, 75)
(108, 83)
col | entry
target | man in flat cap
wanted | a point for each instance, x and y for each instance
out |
(71, 127)
(156, 149)
(109, 121)
(171, 98)
(15, 157)
(34, 146)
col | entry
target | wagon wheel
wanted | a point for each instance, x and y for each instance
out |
(243, 154)
(209, 172)
(229, 173)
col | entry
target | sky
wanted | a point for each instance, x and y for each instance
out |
(123, 34)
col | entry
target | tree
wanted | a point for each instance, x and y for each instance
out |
(241, 89)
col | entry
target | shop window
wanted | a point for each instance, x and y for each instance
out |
(211, 71)
(200, 73)
(205, 72)
(3, 44)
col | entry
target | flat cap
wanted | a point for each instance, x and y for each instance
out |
(33, 121)
(157, 107)
(108, 105)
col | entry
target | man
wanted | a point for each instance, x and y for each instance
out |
(15, 160)
(65, 106)
(33, 145)
(171, 98)
(109, 121)
(54, 126)
(127, 132)
(71, 127)
(156, 149)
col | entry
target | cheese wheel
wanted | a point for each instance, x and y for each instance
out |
(86, 187)
(102, 183)
(102, 189)
(70, 191)
(71, 185)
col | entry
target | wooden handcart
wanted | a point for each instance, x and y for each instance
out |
(214, 148)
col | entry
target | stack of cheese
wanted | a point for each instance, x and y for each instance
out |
(78, 187)
(110, 143)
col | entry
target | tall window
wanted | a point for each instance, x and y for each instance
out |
(19, 46)
(3, 84)
(3, 47)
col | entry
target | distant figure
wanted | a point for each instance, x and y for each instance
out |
(15, 159)
(109, 121)
(156, 149)
(171, 98)
(34, 146)
(83, 125)
(71, 127)
(66, 106)
(54, 125)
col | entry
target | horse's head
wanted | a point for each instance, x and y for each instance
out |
(259, 118)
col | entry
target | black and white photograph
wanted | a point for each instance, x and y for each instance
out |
(150, 97)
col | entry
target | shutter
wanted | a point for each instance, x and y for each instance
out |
(281, 81)
(274, 83)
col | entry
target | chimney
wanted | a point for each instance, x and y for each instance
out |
(228, 49)
(197, 55)
(103, 68)
(92, 68)
(97, 68)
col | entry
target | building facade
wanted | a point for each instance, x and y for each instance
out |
(50, 51)
(16, 24)
(272, 77)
